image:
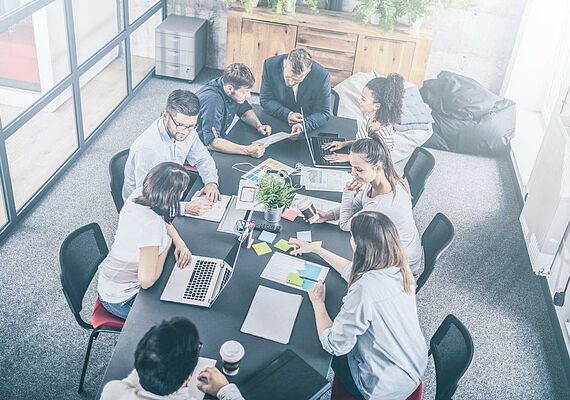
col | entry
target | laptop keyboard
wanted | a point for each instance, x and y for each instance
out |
(225, 278)
(199, 282)
(318, 151)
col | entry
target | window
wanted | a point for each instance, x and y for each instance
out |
(142, 48)
(138, 8)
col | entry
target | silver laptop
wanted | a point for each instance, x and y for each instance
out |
(201, 282)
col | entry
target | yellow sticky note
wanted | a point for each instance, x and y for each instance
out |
(261, 248)
(319, 243)
(282, 245)
(295, 279)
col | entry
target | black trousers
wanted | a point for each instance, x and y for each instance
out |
(342, 371)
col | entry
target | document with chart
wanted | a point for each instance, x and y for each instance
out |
(294, 272)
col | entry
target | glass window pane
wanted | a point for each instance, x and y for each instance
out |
(138, 8)
(103, 87)
(41, 146)
(33, 59)
(7, 6)
(3, 214)
(142, 48)
(96, 23)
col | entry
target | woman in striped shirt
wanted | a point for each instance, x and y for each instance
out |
(381, 102)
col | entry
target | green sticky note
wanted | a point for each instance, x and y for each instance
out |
(295, 279)
(261, 248)
(282, 245)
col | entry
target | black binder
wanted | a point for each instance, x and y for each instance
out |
(287, 377)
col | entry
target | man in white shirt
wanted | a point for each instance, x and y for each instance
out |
(165, 359)
(172, 137)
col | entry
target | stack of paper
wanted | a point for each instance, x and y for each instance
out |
(215, 213)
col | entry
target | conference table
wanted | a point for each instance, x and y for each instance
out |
(223, 320)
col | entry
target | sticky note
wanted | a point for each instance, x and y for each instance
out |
(282, 245)
(294, 240)
(304, 235)
(294, 279)
(308, 284)
(268, 237)
(261, 248)
(318, 243)
(290, 214)
(311, 271)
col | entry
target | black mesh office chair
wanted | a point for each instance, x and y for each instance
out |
(335, 99)
(117, 177)
(79, 257)
(452, 349)
(435, 240)
(417, 170)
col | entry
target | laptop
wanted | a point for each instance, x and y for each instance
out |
(315, 144)
(201, 282)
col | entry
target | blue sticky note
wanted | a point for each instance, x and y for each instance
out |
(310, 271)
(307, 284)
(305, 235)
(268, 237)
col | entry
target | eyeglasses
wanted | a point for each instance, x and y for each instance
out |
(180, 127)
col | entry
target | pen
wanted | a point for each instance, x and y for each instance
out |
(307, 278)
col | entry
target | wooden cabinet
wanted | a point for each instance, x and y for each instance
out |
(334, 39)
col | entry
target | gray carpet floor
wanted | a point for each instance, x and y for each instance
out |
(484, 278)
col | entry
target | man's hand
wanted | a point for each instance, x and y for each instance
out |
(211, 380)
(265, 130)
(297, 129)
(294, 118)
(211, 192)
(255, 150)
(198, 206)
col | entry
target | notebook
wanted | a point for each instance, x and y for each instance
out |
(286, 377)
(272, 314)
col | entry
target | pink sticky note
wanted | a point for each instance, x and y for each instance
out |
(290, 214)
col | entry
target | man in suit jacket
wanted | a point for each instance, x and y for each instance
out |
(294, 81)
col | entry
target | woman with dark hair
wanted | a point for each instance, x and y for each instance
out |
(144, 236)
(380, 351)
(377, 186)
(381, 102)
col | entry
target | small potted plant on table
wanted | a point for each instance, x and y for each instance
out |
(274, 193)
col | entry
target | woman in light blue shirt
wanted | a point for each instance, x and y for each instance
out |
(380, 351)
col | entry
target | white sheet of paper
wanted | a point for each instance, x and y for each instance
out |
(215, 213)
(232, 215)
(320, 204)
(272, 314)
(245, 196)
(193, 392)
(324, 179)
(281, 265)
(273, 138)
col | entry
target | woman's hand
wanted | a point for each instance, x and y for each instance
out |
(182, 255)
(354, 185)
(301, 247)
(317, 293)
(324, 216)
(337, 158)
(333, 146)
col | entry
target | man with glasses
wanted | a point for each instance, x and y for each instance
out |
(291, 82)
(165, 359)
(172, 137)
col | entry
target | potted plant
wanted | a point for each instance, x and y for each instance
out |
(247, 4)
(274, 193)
(283, 6)
(378, 12)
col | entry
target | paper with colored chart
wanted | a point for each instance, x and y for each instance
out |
(257, 172)
(280, 266)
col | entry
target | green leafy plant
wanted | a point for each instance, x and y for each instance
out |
(385, 9)
(274, 192)
(313, 5)
(282, 6)
(247, 4)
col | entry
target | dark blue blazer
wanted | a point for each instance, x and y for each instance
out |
(314, 93)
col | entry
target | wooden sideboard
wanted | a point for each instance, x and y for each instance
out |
(339, 43)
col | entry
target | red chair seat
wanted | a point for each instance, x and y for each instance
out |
(101, 317)
(191, 168)
(338, 392)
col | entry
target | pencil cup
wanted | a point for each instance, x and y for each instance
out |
(308, 210)
(231, 352)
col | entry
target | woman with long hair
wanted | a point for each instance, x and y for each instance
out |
(377, 186)
(381, 103)
(144, 236)
(380, 351)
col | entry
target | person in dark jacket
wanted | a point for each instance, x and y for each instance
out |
(291, 82)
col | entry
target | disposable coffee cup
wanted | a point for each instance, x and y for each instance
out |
(231, 352)
(308, 210)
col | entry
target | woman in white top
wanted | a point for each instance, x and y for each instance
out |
(377, 186)
(144, 236)
(381, 102)
(380, 351)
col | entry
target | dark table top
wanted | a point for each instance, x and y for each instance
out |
(224, 319)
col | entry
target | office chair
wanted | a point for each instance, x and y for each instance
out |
(435, 240)
(117, 177)
(335, 99)
(417, 170)
(452, 349)
(79, 257)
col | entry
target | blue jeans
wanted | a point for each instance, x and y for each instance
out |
(120, 310)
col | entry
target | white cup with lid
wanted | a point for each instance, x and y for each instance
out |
(232, 353)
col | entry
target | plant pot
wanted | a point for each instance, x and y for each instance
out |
(375, 19)
(254, 3)
(417, 25)
(273, 215)
(289, 7)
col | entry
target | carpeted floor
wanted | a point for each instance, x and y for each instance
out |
(484, 278)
